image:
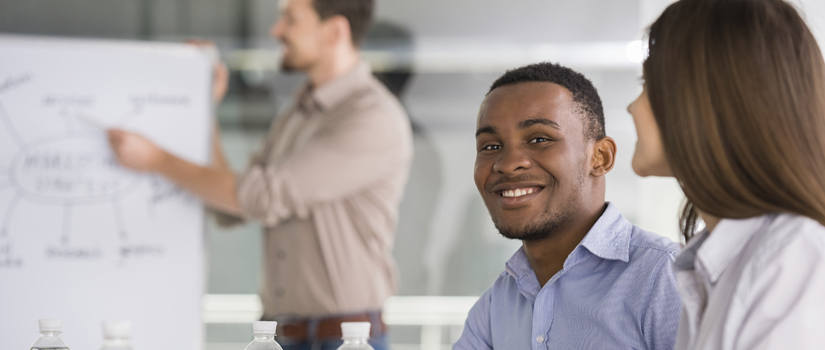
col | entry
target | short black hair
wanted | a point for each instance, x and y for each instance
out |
(584, 93)
(357, 12)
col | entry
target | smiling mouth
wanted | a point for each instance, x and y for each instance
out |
(519, 192)
(514, 198)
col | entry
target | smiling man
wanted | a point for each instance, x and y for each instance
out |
(584, 278)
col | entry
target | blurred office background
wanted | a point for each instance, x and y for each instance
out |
(439, 57)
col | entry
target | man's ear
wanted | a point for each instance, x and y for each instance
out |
(604, 156)
(337, 29)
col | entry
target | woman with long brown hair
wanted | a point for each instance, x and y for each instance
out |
(733, 107)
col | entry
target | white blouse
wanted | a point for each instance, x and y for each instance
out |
(756, 283)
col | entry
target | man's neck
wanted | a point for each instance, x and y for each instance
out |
(547, 256)
(333, 66)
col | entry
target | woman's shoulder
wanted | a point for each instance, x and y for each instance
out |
(789, 238)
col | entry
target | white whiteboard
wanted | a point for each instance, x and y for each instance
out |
(82, 239)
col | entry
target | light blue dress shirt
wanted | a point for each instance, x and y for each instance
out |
(616, 291)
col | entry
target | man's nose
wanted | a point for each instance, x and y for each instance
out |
(277, 30)
(512, 160)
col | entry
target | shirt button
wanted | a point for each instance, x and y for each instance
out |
(540, 339)
(280, 254)
(280, 292)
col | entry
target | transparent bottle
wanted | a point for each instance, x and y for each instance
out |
(50, 336)
(355, 335)
(264, 332)
(117, 335)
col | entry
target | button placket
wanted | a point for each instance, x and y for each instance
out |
(543, 314)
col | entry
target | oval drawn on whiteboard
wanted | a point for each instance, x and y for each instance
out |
(71, 169)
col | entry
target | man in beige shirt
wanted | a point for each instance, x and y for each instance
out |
(326, 185)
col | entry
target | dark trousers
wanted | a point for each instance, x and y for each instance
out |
(378, 336)
(379, 343)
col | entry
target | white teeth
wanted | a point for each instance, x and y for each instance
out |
(517, 192)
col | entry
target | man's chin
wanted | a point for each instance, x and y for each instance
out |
(288, 67)
(528, 232)
(525, 235)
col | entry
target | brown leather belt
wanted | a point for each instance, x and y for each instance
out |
(327, 327)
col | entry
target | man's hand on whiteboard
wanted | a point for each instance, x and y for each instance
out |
(135, 151)
(215, 184)
(220, 74)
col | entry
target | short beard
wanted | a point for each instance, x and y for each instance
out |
(536, 231)
(286, 67)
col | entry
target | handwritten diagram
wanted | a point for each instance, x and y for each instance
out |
(77, 230)
(72, 167)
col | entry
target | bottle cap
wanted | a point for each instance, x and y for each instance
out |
(117, 329)
(355, 329)
(50, 325)
(264, 327)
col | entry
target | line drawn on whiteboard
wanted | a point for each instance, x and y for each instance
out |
(75, 169)
(7, 123)
(7, 257)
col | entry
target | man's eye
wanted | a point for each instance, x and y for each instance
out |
(539, 139)
(491, 147)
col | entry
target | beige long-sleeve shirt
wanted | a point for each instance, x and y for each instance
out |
(326, 187)
(754, 283)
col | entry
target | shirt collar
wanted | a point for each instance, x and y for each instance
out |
(608, 238)
(518, 267)
(686, 259)
(337, 90)
(715, 252)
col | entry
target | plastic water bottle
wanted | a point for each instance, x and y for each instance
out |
(264, 336)
(116, 335)
(50, 336)
(355, 335)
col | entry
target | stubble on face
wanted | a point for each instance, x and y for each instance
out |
(539, 122)
(287, 67)
(550, 221)
(288, 64)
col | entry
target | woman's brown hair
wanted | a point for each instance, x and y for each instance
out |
(737, 88)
